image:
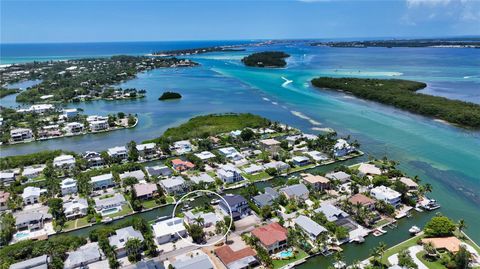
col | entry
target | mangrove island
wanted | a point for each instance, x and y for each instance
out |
(169, 96)
(266, 59)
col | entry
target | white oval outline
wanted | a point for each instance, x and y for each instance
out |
(229, 211)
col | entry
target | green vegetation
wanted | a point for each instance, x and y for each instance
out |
(402, 94)
(4, 91)
(28, 159)
(7, 228)
(299, 254)
(266, 59)
(413, 43)
(170, 95)
(204, 126)
(439, 226)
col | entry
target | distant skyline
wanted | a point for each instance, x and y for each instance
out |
(43, 21)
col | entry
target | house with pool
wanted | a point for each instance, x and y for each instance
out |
(109, 205)
(272, 237)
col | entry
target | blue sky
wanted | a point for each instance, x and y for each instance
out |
(107, 20)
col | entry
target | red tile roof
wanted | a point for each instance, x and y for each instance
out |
(361, 199)
(270, 234)
(227, 255)
(4, 196)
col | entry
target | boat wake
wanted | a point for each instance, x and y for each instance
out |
(287, 81)
(305, 117)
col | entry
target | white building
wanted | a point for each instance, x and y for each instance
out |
(69, 186)
(182, 147)
(228, 173)
(102, 181)
(317, 155)
(118, 152)
(205, 155)
(64, 161)
(75, 208)
(41, 108)
(33, 171)
(202, 177)
(31, 195)
(174, 185)
(21, 134)
(74, 127)
(231, 153)
(342, 148)
(83, 256)
(70, 112)
(279, 165)
(386, 194)
(121, 237)
(146, 150)
(98, 125)
(168, 230)
(7, 177)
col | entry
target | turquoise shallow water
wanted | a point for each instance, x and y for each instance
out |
(445, 156)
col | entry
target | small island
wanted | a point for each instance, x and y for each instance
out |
(266, 59)
(405, 43)
(169, 96)
(403, 94)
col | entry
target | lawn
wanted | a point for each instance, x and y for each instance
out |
(75, 223)
(256, 177)
(404, 245)
(280, 263)
(301, 168)
(126, 209)
(431, 265)
(149, 204)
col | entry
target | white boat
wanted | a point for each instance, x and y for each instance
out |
(414, 230)
(339, 265)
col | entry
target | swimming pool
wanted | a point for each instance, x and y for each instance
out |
(285, 254)
(110, 211)
(21, 235)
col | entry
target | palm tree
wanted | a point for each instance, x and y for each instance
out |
(461, 225)
(199, 221)
(134, 249)
(428, 187)
(430, 249)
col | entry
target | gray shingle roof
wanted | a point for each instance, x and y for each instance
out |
(296, 190)
(332, 212)
(39, 262)
(84, 255)
(197, 262)
(123, 235)
(309, 225)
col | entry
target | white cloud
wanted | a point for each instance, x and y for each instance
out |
(416, 3)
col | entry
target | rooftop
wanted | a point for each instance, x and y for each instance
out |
(270, 234)
(362, 199)
(83, 255)
(227, 255)
(309, 225)
(142, 189)
(270, 142)
(312, 179)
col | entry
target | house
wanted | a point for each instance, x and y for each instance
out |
(174, 185)
(148, 264)
(209, 218)
(318, 182)
(169, 230)
(451, 243)
(272, 237)
(235, 133)
(119, 153)
(41, 108)
(64, 161)
(202, 177)
(253, 169)
(145, 191)
(231, 153)
(205, 155)
(83, 256)
(98, 125)
(342, 148)
(369, 169)
(301, 160)
(199, 261)
(309, 227)
(146, 150)
(7, 177)
(94, 159)
(40, 262)
(68, 186)
(31, 195)
(363, 200)
(239, 259)
(70, 112)
(340, 176)
(266, 198)
(31, 220)
(74, 127)
(181, 165)
(332, 213)
(109, 205)
(121, 237)
(21, 134)
(317, 155)
(270, 145)
(137, 174)
(411, 185)
(158, 170)
(4, 196)
(33, 171)
(102, 181)
(386, 194)
(228, 173)
(182, 147)
(279, 165)
(75, 208)
(297, 192)
(237, 204)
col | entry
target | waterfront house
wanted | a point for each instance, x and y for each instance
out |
(41, 108)
(411, 185)
(318, 183)
(76, 208)
(270, 145)
(298, 192)
(74, 127)
(31, 220)
(174, 185)
(265, 198)
(231, 153)
(7, 177)
(98, 125)
(272, 237)
(239, 259)
(33, 171)
(198, 261)
(70, 112)
(253, 169)
(121, 237)
(4, 196)
(94, 159)
(119, 153)
(386, 194)
(340, 176)
(137, 174)
(68, 186)
(317, 155)
(309, 227)
(205, 155)
(182, 147)
(208, 218)
(147, 150)
(363, 200)
(64, 162)
(21, 134)
(31, 195)
(228, 173)
(181, 165)
(158, 170)
(102, 181)
(301, 160)
(332, 213)
(237, 204)
(169, 230)
(369, 169)
(279, 165)
(202, 177)
(144, 191)
(147, 264)
(342, 148)
(108, 205)
(83, 256)
(40, 262)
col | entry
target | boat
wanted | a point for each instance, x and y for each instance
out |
(418, 209)
(359, 239)
(432, 205)
(215, 202)
(339, 265)
(161, 218)
(107, 220)
(414, 230)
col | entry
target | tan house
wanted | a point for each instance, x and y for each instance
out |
(318, 182)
